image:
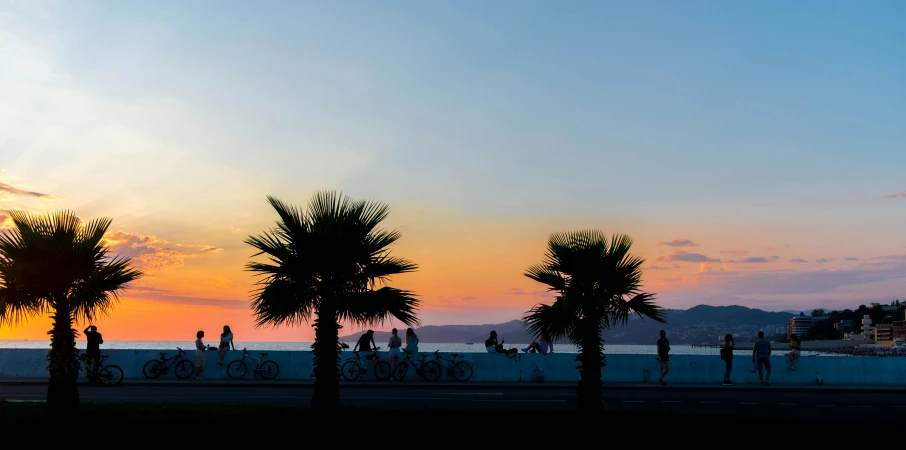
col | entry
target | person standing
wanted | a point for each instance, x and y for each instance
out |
(411, 342)
(726, 354)
(226, 343)
(394, 351)
(663, 356)
(761, 356)
(93, 350)
(199, 354)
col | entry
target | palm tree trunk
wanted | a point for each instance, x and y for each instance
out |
(63, 363)
(589, 391)
(326, 394)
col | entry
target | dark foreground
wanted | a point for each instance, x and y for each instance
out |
(213, 424)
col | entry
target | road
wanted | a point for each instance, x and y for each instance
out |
(759, 402)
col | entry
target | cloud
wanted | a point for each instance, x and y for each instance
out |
(8, 191)
(901, 194)
(657, 267)
(736, 252)
(756, 259)
(850, 259)
(824, 260)
(519, 291)
(152, 253)
(162, 296)
(678, 243)
(798, 260)
(687, 257)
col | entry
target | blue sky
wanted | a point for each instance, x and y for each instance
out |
(744, 122)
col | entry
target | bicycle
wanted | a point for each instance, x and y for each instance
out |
(156, 367)
(355, 368)
(268, 369)
(458, 367)
(427, 370)
(108, 375)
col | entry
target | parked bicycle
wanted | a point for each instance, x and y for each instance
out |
(108, 375)
(268, 369)
(427, 370)
(359, 365)
(184, 368)
(457, 367)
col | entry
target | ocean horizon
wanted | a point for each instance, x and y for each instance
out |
(423, 347)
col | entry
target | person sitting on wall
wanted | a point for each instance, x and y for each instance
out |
(493, 346)
(792, 358)
(544, 345)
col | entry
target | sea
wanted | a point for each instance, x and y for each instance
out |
(423, 347)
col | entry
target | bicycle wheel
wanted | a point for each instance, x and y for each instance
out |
(401, 370)
(431, 371)
(269, 370)
(185, 369)
(351, 370)
(237, 369)
(462, 371)
(110, 375)
(153, 369)
(382, 370)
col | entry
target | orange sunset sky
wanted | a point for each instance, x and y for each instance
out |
(766, 171)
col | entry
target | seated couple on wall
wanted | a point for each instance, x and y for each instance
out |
(493, 347)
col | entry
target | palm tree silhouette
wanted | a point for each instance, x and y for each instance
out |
(57, 264)
(325, 263)
(598, 286)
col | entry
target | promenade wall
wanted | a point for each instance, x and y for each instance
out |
(558, 367)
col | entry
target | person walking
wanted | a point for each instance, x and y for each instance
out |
(93, 349)
(226, 343)
(663, 356)
(394, 351)
(199, 354)
(726, 354)
(761, 356)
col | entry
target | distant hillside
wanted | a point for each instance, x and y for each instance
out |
(700, 324)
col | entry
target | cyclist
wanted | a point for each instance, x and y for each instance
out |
(93, 352)
(366, 342)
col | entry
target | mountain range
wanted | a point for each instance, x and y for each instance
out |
(700, 324)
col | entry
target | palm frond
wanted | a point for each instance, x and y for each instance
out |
(544, 275)
(554, 320)
(280, 301)
(374, 307)
(641, 304)
(98, 293)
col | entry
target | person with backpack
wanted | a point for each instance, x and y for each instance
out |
(726, 354)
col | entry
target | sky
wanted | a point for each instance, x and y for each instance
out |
(754, 151)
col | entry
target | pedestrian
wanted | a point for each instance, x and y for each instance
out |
(663, 356)
(726, 354)
(93, 350)
(199, 354)
(394, 351)
(761, 356)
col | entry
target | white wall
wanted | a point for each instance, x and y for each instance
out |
(691, 369)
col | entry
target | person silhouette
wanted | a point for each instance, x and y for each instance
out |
(93, 350)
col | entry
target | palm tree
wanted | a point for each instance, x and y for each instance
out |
(57, 264)
(324, 265)
(598, 286)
